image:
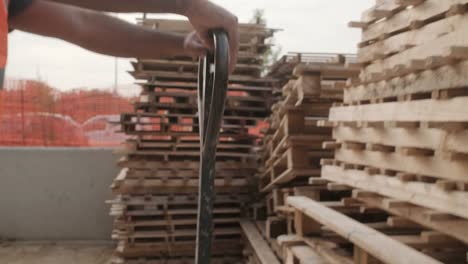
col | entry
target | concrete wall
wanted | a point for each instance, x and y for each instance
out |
(56, 193)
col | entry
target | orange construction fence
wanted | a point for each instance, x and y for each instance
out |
(34, 114)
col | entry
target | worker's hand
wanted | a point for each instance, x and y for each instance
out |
(193, 45)
(205, 16)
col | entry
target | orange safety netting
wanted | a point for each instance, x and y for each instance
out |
(34, 114)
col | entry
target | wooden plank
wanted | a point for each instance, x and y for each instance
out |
(303, 254)
(186, 165)
(433, 166)
(176, 249)
(451, 110)
(450, 224)
(193, 86)
(412, 38)
(437, 47)
(192, 76)
(190, 65)
(289, 175)
(328, 250)
(175, 233)
(259, 245)
(248, 32)
(403, 19)
(436, 139)
(326, 70)
(374, 242)
(423, 194)
(445, 77)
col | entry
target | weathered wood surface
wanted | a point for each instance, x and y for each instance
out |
(424, 194)
(374, 242)
(259, 245)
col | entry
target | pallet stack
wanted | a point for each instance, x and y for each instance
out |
(155, 207)
(400, 145)
(292, 146)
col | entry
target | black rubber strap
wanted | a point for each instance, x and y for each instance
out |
(212, 92)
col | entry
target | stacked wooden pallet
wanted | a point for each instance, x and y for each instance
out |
(292, 146)
(400, 143)
(155, 207)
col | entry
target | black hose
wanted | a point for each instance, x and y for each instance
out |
(212, 91)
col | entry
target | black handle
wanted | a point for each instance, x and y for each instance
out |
(213, 76)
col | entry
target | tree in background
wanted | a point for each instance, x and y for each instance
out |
(273, 51)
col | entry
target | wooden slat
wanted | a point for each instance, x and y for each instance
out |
(419, 193)
(402, 20)
(446, 77)
(436, 139)
(437, 47)
(422, 110)
(303, 254)
(372, 241)
(433, 166)
(326, 70)
(410, 38)
(328, 250)
(448, 224)
(259, 245)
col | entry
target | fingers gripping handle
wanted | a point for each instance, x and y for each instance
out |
(212, 92)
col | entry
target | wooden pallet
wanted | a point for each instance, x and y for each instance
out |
(164, 225)
(413, 51)
(329, 240)
(240, 148)
(283, 69)
(399, 140)
(174, 260)
(191, 66)
(292, 148)
(130, 122)
(301, 250)
(184, 182)
(292, 151)
(169, 76)
(155, 209)
(183, 97)
(176, 250)
(294, 163)
(439, 195)
(150, 164)
(372, 240)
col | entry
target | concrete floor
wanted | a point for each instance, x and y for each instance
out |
(56, 252)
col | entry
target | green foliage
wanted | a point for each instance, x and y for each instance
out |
(272, 53)
(258, 17)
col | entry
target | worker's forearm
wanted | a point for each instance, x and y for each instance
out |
(109, 35)
(134, 6)
(96, 31)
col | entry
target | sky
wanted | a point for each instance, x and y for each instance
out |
(307, 26)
